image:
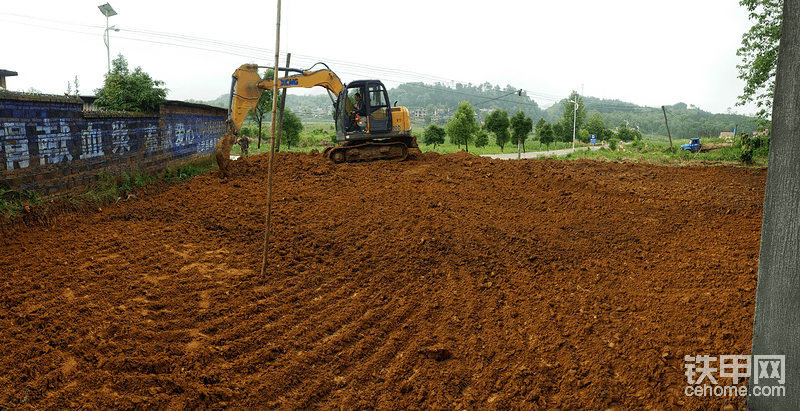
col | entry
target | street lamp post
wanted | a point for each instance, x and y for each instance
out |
(108, 11)
(574, 121)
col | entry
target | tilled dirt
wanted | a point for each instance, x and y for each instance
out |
(448, 282)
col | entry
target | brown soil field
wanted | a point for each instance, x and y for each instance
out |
(448, 282)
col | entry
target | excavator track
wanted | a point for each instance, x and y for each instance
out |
(394, 151)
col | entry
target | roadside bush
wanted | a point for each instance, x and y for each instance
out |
(12, 201)
(752, 147)
(637, 145)
(248, 131)
(760, 146)
(318, 136)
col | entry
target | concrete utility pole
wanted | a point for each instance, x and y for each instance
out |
(574, 119)
(519, 153)
(668, 134)
(774, 383)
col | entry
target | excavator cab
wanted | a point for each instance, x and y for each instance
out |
(367, 127)
(363, 111)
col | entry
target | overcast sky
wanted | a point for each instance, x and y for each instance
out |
(650, 53)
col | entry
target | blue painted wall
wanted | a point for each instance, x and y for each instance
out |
(49, 145)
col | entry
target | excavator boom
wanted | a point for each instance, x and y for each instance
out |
(247, 86)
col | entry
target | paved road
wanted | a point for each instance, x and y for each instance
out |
(534, 154)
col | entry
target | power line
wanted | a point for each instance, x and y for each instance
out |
(258, 53)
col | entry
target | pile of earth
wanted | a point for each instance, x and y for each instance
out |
(448, 282)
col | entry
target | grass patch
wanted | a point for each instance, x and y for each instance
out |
(188, 171)
(105, 190)
(651, 149)
(716, 152)
(14, 201)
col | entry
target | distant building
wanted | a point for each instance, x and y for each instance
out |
(88, 103)
(726, 134)
(3, 75)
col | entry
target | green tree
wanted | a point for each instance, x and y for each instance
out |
(433, 135)
(759, 53)
(595, 125)
(584, 136)
(539, 127)
(481, 138)
(69, 88)
(497, 123)
(263, 110)
(124, 90)
(561, 132)
(462, 127)
(546, 135)
(521, 125)
(607, 134)
(626, 134)
(291, 129)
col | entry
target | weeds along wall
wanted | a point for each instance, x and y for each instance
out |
(51, 145)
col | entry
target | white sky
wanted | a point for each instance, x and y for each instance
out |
(646, 52)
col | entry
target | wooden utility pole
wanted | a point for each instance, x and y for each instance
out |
(272, 141)
(668, 135)
(283, 105)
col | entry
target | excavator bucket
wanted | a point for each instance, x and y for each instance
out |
(245, 92)
(223, 152)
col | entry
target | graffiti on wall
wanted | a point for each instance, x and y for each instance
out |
(53, 137)
(120, 140)
(91, 143)
(15, 145)
(55, 141)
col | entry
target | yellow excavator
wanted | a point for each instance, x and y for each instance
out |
(368, 128)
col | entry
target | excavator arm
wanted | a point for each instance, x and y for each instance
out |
(246, 89)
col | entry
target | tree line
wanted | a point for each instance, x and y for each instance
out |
(465, 127)
(685, 121)
(579, 119)
(481, 97)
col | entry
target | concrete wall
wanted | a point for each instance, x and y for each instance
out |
(49, 145)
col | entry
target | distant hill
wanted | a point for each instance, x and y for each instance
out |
(221, 101)
(305, 106)
(684, 121)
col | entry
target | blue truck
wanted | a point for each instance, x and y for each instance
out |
(693, 146)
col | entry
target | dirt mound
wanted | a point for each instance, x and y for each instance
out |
(448, 282)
